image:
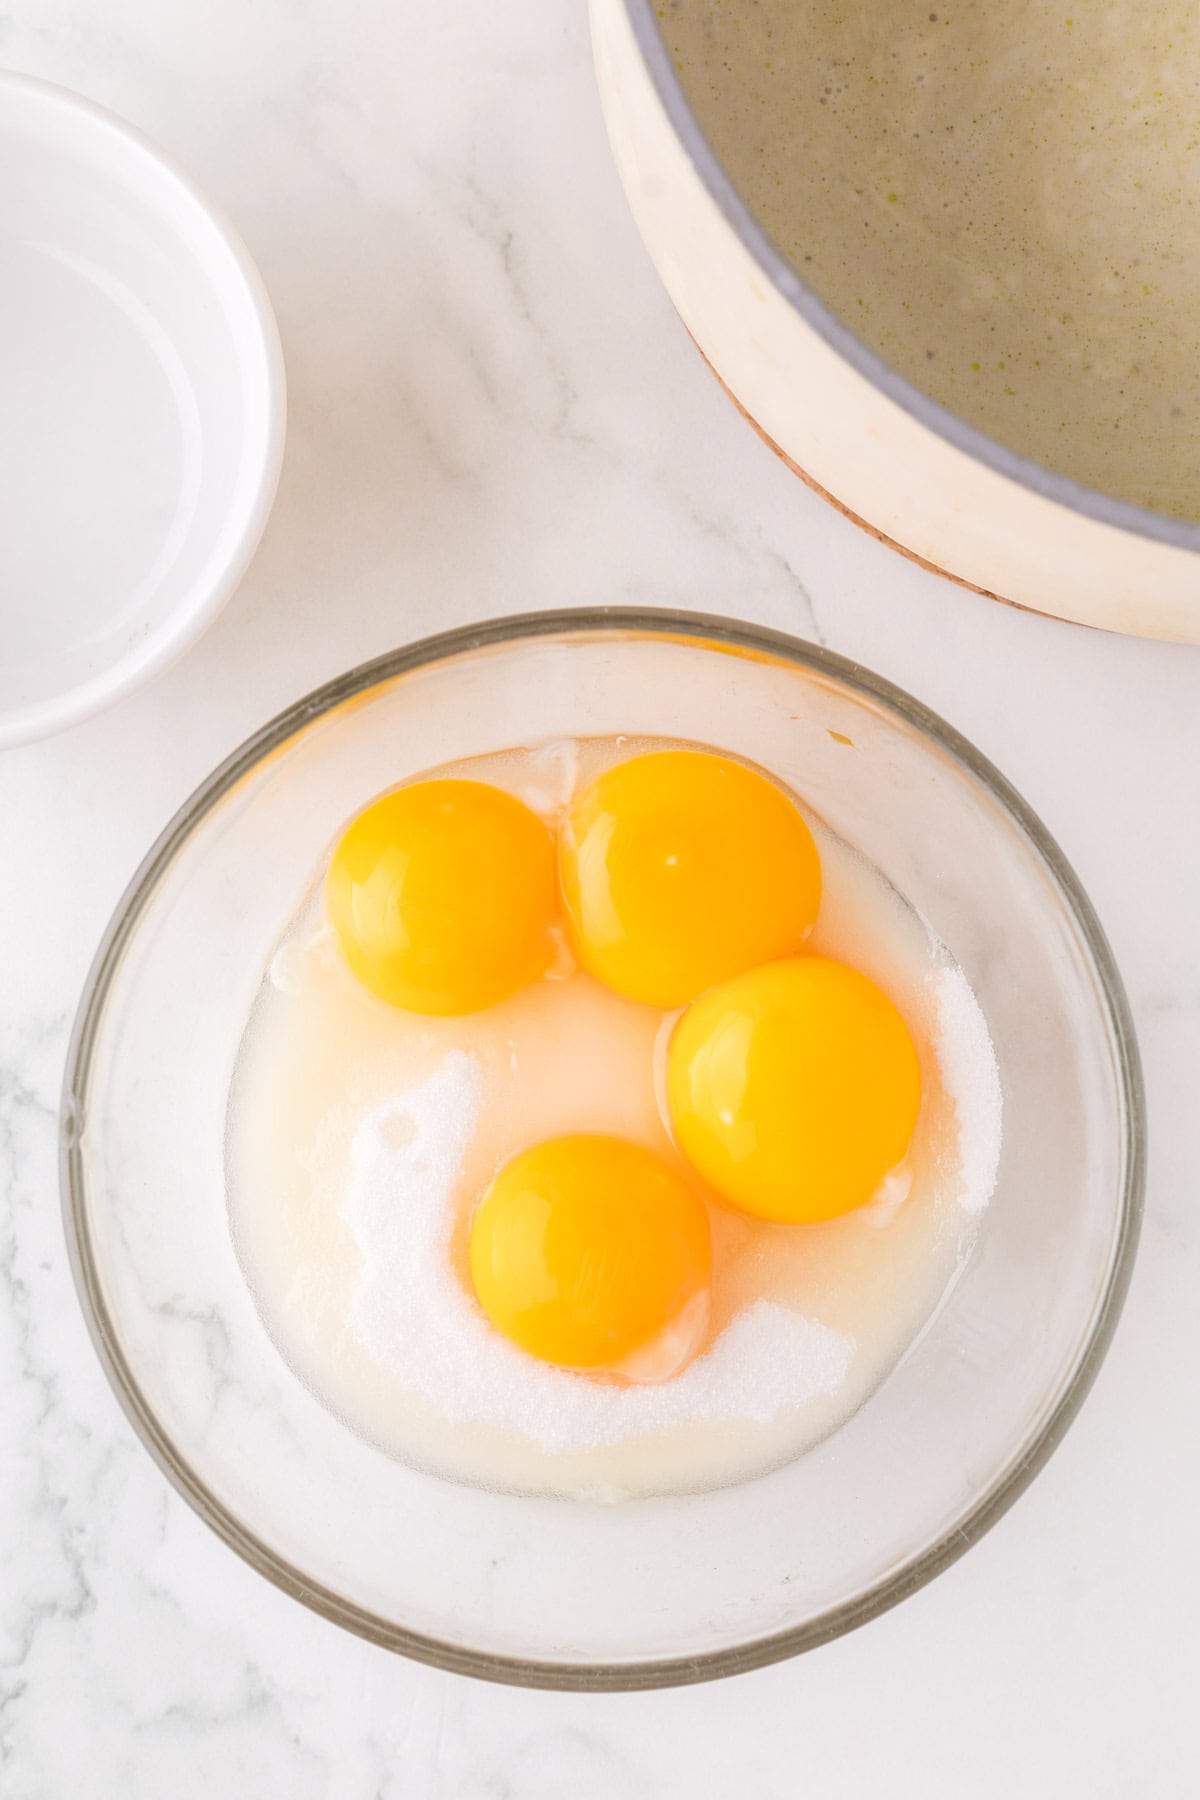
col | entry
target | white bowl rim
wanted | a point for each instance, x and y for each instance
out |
(191, 616)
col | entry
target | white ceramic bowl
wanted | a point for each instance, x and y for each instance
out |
(142, 410)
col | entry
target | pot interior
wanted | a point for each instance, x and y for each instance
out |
(1001, 199)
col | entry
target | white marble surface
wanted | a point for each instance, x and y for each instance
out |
(493, 407)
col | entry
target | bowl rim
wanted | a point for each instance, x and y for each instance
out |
(191, 615)
(719, 635)
(1123, 515)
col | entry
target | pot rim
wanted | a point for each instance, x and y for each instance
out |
(1122, 515)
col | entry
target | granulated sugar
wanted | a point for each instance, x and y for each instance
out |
(967, 1061)
(414, 1318)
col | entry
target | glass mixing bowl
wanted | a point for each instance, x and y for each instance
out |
(562, 1592)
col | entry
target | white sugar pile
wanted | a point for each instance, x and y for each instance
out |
(414, 1319)
(967, 1059)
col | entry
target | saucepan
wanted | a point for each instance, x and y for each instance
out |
(886, 448)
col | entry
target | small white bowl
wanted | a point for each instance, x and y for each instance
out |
(142, 407)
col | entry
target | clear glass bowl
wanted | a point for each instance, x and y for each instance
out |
(564, 1593)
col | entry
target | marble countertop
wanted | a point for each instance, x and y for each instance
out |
(493, 407)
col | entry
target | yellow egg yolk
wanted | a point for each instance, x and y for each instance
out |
(681, 868)
(794, 1089)
(443, 896)
(586, 1248)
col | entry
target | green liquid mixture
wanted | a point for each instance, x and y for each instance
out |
(1002, 198)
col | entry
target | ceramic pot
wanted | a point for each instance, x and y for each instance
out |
(886, 454)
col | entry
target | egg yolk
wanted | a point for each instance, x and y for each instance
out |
(794, 1089)
(680, 869)
(585, 1248)
(443, 896)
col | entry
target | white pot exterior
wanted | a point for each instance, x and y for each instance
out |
(901, 478)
